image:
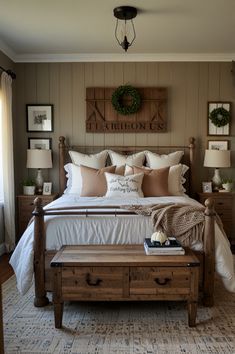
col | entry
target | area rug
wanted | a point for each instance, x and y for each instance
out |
(117, 328)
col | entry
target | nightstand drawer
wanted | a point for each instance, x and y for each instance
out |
(221, 203)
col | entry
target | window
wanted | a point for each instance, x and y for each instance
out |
(1, 151)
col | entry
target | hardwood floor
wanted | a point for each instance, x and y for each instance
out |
(6, 270)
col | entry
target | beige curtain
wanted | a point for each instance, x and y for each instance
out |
(7, 160)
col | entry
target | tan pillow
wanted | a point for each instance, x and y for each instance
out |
(94, 181)
(155, 182)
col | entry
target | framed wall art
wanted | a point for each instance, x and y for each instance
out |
(219, 118)
(40, 143)
(218, 144)
(39, 117)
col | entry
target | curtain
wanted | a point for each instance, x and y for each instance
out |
(7, 160)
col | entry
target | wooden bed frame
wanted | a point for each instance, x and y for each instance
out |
(42, 258)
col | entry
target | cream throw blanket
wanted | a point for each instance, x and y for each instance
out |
(185, 222)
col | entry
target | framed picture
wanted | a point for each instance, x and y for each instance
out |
(218, 144)
(219, 118)
(39, 117)
(39, 143)
(207, 187)
(47, 187)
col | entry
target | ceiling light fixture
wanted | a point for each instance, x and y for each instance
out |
(126, 13)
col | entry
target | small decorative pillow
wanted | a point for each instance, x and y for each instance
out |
(94, 160)
(155, 182)
(119, 159)
(74, 179)
(124, 186)
(93, 181)
(159, 161)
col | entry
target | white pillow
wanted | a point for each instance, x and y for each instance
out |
(160, 161)
(94, 161)
(176, 179)
(124, 186)
(131, 160)
(74, 179)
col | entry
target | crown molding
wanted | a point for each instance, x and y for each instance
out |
(115, 57)
(126, 57)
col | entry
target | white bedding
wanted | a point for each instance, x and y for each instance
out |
(104, 230)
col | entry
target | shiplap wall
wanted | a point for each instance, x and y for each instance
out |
(190, 86)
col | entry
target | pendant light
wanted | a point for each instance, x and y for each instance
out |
(125, 31)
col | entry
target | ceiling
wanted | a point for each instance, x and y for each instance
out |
(76, 30)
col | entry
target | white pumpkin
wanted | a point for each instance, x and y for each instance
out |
(159, 236)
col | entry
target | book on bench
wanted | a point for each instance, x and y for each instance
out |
(155, 248)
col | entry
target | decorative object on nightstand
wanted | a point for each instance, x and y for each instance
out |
(217, 159)
(28, 186)
(39, 158)
(227, 184)
(26, 207)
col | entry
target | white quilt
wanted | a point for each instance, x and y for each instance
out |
(122, 229)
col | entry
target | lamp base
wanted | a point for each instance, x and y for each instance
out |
(39, 182)
(216, 180)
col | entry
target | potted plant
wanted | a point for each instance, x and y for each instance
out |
(28, 186)
(227, 184)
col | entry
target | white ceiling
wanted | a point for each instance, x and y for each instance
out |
(66, 30)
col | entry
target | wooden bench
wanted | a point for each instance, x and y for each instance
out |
(123, 273)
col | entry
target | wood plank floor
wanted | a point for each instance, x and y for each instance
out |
(6, 270)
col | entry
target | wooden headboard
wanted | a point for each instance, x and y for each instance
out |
(188, 157)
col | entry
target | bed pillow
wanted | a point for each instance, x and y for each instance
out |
(131, 160)
(175, 177)
(155, 182)
(159, 161)
(94, 181)
(74, 179)
(124, 186)
(94, 160)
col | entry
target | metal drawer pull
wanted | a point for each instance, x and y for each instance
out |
(95, 283)
(220, 203)
(162, 282)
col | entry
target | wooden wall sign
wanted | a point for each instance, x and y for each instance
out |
(102, 117)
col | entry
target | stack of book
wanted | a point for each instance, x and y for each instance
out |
(173, 247)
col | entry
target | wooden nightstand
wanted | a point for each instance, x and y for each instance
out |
(26, 206)
(223, 206)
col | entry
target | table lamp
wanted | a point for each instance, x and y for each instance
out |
(39, 158)
(217, 159)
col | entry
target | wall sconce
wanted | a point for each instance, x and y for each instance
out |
(122, 32)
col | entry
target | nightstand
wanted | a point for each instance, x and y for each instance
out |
(223, 207)
(26, 207)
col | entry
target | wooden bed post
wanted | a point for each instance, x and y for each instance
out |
(39, 255)
(62, 176)
(192, 165)
(209, 253)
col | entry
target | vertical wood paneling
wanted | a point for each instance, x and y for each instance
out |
(98, 81)
(43, 83)
(191, 116)
(152, 81)
(141, 81)
(66, 99)
(129, 72)
(78, 109)
(89, 137)
(118, 80)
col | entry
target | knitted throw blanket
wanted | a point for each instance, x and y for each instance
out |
(184, 221)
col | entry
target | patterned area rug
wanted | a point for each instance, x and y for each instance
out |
(117, 328)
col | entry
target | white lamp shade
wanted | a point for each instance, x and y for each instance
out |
(217, 158)
(39, 158)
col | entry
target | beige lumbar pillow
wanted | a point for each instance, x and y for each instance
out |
(131, 160)
(93, 181)
(124, 186)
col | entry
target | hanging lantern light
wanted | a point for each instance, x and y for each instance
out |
(125, 32)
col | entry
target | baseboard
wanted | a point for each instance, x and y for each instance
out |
(2, 249)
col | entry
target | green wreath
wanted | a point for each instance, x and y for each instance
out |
(220, 117)
(117, 100)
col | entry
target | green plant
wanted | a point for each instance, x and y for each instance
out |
(227, 180)
(119, 104)
(28, 182)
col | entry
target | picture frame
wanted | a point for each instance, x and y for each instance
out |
(212, 129)
(39, 117)
(207, 187)
(40, 143)
(47, 188)
(218, 144)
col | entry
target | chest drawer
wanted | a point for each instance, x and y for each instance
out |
(159, 280)
(221, 204)
(93, 282)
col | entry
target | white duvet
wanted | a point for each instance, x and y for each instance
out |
(72, 230)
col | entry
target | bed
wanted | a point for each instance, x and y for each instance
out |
(74, 219)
